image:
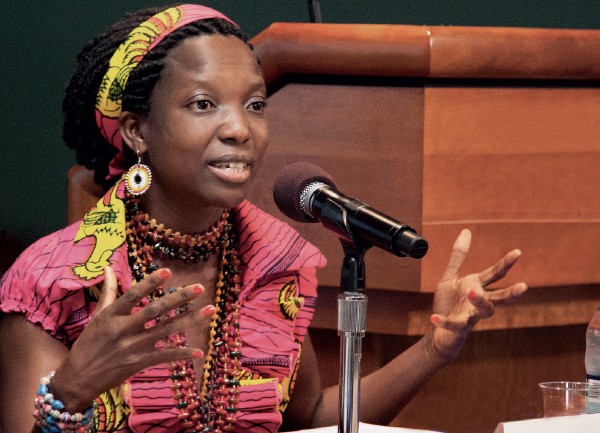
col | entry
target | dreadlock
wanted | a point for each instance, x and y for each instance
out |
(80, 131)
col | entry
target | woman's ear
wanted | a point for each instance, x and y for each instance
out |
(130, 125)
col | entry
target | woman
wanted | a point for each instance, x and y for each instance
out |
(176, 305)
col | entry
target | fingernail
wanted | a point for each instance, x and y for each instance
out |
(209, 310)
(435, 319)
(472, 295)
(164, 273)
(198, 289)
(198, 353)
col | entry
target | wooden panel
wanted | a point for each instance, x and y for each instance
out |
(369, 139)
(519, 167)
(554, 253)
(509, 153)
(495, 378)
(400, 313)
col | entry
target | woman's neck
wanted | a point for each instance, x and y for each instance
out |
(185, 216)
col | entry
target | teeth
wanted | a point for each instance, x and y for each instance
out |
(232, 167)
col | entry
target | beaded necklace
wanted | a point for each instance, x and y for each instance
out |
(211, 406)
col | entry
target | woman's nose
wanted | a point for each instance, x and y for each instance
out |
(235, 127)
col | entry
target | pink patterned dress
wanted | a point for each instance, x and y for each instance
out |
(55, 283)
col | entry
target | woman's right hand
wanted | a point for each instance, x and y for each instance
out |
(117, 343)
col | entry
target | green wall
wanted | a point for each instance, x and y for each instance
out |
(40, 39)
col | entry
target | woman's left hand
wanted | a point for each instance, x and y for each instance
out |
(460, 302)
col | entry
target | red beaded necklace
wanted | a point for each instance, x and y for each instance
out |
(210, 407)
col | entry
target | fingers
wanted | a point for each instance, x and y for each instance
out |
(141, 360)
(458, 323)
(109, 291)
(500, 269)
(480, 308)
(460, 250)
(174, 354)
(508, 294)
(181, 322)
(178, 299)
(455, 324)
(483, 305)
(134, 295)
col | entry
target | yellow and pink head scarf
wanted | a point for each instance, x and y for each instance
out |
(140, 41)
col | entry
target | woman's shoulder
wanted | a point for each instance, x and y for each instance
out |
(46, 251)
(35, 285)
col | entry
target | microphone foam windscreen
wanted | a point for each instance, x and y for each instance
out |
(290, 183)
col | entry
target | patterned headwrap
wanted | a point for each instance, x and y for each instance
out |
(140, 41)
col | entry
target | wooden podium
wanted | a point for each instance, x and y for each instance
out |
(492, 129)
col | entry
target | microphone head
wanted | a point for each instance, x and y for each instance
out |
(290, 185)
(409, 243)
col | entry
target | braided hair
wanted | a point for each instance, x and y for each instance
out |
(80, 131)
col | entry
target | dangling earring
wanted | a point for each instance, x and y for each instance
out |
(138, 178)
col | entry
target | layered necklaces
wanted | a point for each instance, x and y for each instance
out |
(209, 406)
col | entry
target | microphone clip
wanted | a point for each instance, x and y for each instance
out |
(352, 275)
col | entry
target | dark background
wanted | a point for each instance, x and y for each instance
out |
(40, 39)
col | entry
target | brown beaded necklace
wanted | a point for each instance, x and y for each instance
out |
(210, 407)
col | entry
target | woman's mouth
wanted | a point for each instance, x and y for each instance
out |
(234, 172)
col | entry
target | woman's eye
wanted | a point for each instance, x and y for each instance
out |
(258, 106)
(203, 105)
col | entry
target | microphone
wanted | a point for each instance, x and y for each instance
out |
(306, 193)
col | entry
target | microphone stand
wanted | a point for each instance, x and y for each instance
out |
(352, 318)
(352, 315)
(352, 312)
(314, 11)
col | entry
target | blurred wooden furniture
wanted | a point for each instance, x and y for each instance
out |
(493, 129)
(82, 192)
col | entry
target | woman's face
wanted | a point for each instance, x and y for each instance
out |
(206, 132)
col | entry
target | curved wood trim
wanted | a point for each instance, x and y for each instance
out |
(519, 53)
(342, 49)
(434, 52)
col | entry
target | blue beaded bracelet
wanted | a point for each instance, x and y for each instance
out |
(50, 415)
